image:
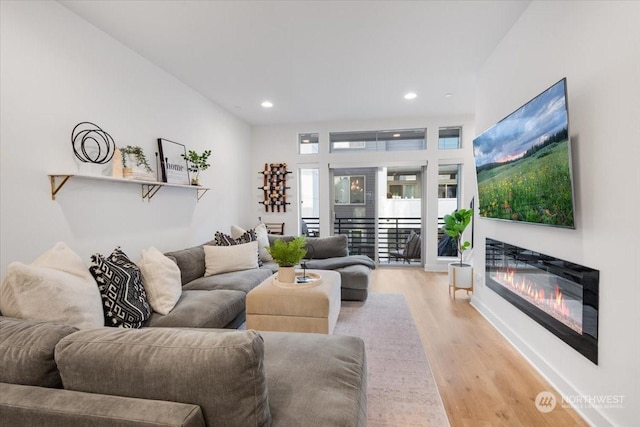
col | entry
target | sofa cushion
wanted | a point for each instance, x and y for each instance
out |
(222, 372)
(190, 261)
(56, 287)
(124, 298)
(161, 280)
(222, 239)
(244, 280)
(355, 276)
(262, 236)
(36, 406)
(26, 351)
(201, 309)
(225, 259)
(327, 247)
(331, 384)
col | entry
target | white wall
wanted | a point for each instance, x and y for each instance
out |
(596, 45)
(58, 70)
(278, 144)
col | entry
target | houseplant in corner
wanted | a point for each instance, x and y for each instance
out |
(197, 162)
(460, 275)
(287, 255)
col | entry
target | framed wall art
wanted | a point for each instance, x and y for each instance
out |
(173, 165)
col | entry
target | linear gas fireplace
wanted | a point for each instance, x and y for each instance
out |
(559, 295)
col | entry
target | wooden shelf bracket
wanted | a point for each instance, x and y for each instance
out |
(55, 187)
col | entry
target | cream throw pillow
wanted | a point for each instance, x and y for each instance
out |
(56, 287)
(161, 278)
(224, 259)
(261, 236)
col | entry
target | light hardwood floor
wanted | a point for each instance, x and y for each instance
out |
(482, 379)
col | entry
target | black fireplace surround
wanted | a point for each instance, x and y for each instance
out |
(559, 295)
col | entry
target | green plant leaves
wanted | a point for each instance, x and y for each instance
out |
(288, 254)
(197, 162)
(454, 226)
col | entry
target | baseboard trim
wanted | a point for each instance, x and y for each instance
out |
(590, 414)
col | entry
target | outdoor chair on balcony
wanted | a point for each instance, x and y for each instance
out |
(305, 230)
(411, 250)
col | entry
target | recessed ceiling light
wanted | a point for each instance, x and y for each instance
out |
(448, 95)
(306, 141)
(267, 104)
(410, 95)
(396, 135)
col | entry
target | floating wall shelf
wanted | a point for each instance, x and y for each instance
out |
(149, 188)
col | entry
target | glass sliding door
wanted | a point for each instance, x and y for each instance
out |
(400, 236)
(354, 208)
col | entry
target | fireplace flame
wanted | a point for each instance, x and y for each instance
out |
(554, 304)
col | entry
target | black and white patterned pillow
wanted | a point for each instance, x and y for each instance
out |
(124, 299)
(222, 239)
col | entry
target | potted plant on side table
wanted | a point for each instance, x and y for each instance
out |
(287, 255)
(196, 163)
(460, 274)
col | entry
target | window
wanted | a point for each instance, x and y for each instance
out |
(388, 140)
(308, 143)
(403, 185)
(309, 201)
(349, 190)
(448, 181)
(449, 138)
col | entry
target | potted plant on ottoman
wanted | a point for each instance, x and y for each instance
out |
(287, 255)
(460, 275)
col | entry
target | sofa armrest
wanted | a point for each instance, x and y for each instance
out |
(22, 405)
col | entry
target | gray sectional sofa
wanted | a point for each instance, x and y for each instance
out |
(55, 375)
(198, 307)
(183, 368)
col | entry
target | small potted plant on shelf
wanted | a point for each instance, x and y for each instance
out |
(287, 255)
(134, 154)
(460, 274)
(196, 163)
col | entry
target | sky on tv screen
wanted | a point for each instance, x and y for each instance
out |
(531, 124)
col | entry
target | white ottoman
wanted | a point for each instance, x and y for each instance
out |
(305, 309)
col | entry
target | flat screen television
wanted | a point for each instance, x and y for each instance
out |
(523, 163)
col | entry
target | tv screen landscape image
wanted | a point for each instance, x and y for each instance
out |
(523, 163)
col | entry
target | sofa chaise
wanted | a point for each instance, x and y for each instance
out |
(332, 253)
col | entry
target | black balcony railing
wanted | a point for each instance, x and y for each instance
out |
(392, 235)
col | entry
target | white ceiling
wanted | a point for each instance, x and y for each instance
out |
(316, 61)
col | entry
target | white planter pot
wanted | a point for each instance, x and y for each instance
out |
(460, 277)
(287, 274)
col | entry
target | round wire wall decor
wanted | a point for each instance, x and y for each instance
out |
(91, 144)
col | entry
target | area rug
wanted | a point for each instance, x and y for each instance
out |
(401, 389)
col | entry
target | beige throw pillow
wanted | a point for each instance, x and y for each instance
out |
(261, 236)
(56, 287)
(224, 259)
(161, 278)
